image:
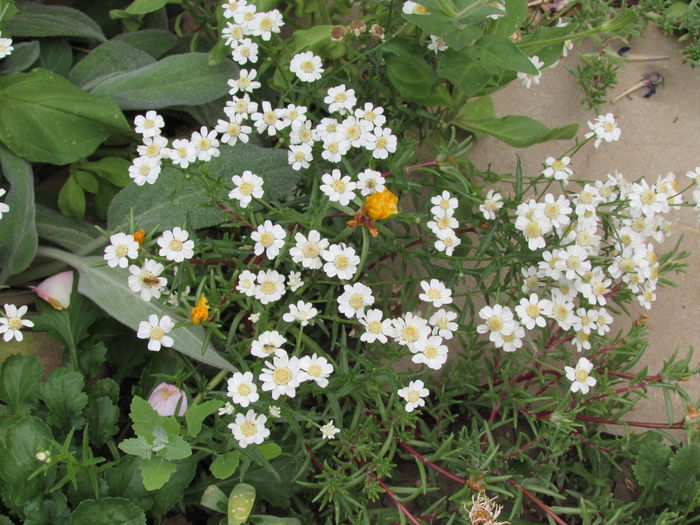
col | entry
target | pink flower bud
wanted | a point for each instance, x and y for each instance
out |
(56, 290)
(164, 400)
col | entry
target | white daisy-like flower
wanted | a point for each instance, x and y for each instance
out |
(206, 144)
(174, 297)
(414, 394)
(244, 51)
(340, 99)
(370, 181)
(175, 246)
(270, 119)
(241, 106)
(562, 310)
(245, 82)
(444, 223)
(233, 130)
(269, 238)
(282, 376)
(530, 79)
(373, 115)
(4, 207)
(492, 203)
(274, 411)
(301, 313)
(154, 147)
(334, 147)
(270, 286)
(431, 352)
(443, 204)
(316, 368)
(296, 115)
(604, 128)
(266, 23)
(294, 281)
(447, 241)
(122, 247)
(6, 47)
(341, 261)
(232, 33)
(182, 153)
(534, 227)
(326, 128)
(414, 8)
(247, 186)
(300, 156)
(437, 44)
(247, 283)
(148, 125)
(354, 131)
(410, 329)
(231, 7)
(557, 210)
(156, 330)
(443, 323)
(329, 430)
(227, 410)
(303, 134)
(354, 300)
(242, 389)
(510, 342)
(144, 170)
(596, 288)
(12, 324)
(307, 250)
(376, 328)
(498, 321)
(146, 280)
(532, 310)
(245, 16)
(306, 66)
(436, 293)
(267, 344)
(558, 169)
(339, 188)
(249, 429)
(381, 142)
(580, 376)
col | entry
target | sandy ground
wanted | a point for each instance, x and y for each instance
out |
(659, 134)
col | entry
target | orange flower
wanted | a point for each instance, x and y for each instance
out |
(200, 312)
(381, 205)
(139, 235)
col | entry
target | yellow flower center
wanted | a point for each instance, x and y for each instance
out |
(152, 151)
(121, 250)
(410, 333)
(533, 229)
(581, 375)
(175, 245)
(609, 126)
(269, 117)
(157, 333)
(307, 66)
(266, 239)
(341, 262)
(443, 223)
(382, 142)
(339, 186)
(375, 327)
(204, 143)
(341, 97)
(149, 123)
(585, 197)
(333, 148)
(495, 323)
(310, 250)
(15, 323)
(182, 152)
(244, 82)
(420, 10)
(560, 312)
(558, 165)
(431, 352)
(370, 115)
(353, 132)
(282, 375)
(442, 323)
(268, 287)
(314, 371)
(413, 396)
(552, 210)
(234, 129)
(266, 24)
(532, 310)
(249, 429)
(243, 390)
(246, 188)
(648, 196)
(434, 293)
(356, 301)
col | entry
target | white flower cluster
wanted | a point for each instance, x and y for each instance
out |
(443, 222)
(6, 47)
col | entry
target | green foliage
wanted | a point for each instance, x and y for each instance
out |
(108, 511)
(19, 377)
(517, 131)
(597, 75)
(196, 414)
(64, 397)
(36, 20)
(240, 503)
(106, 60)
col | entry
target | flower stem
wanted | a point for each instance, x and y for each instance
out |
(396, 501)
(537, 501)
(211, 385)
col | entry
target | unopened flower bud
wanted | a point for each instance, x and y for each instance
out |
(56, 290)
(44, 456)
(200, 312)
(165, 398)
(139, 236)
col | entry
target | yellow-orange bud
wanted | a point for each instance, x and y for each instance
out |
(139, 236)
(200, 312)
(381, 205)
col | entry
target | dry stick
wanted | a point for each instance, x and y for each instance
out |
(396, 501)
(537, 501)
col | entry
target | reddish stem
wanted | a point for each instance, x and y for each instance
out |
(537, 501)
(432, 465)
(313, 457)
(618, 391)
(595, 419)
(396, 501)
(233, 214)
(213, 262)
(413, 166)
(523, 448)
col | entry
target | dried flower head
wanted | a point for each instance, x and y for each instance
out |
(337, 33)
(357, 27)
(484, 511)
(377, 31)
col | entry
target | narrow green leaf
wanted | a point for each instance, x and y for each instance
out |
(155, 42)
(36, 20)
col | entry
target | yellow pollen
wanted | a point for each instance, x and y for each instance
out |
(266, 24)
(341, 262)
(269, 117)
(533, 229)
(314, 371)
(307, 66)
(375, 327)
(442, 323)
(182, 152)
(157, 333)
(152, 151)
(413, 396)
(121, 250)
(410, 333)
(204, 144)
(598, 289)
(495, 323)
(443, 223)
(558, 165)
(341, 97)
(245, 52)
(370, 115)
(434, 293)
(266, 239)
(310, 250)
(234, 128)
(581, 375)
(144, 169)
(382, 142)
(608, 126)
(585, 197)
(356, 301)
(243, 82)
(15, 323)
(431, 352)
(246, 188)
(243, 390)
(282, 376)
(533, 310)
(509, 338)
(248, 429)
(333, 148)
(175, 245)
(551, 210)
(648, 196)
(561, 312)
(268, 287)
(148, 123)
(339, 186)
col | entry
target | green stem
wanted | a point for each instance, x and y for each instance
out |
(210, 386)
(323, 11)
(446, 7)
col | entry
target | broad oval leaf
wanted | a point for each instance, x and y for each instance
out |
(108, 511)
(22, 58)
(106, 60)
(36, 20)
(175, 80)
(107, 287)
(56, 55)
(45, 118)
(64, 231)
(155, 42)
(516, 130)
(18, 237)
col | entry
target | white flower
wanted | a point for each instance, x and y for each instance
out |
(596, 288)
(354, 299)
(562, 310)
(267, 344)
(205, 143)
(231, 7)
(294, 281)
(245, 16)
(149, 125)
(301, 312)
(341, 260)
(308, 250)
(430, 352)
(6, 47)
(446, 223)
(442, 323)
(232, 33)
(316, 368)
(145, 280)
(376, 329)
(267, 23)
(269, 119)
(557, 210)
(296, 115)
(586, 321)
(175, 246)
(647, 199)
(302, 134)
(227, 410)
(269, 238)
(413, 8)
(174, 297)
(233, 130)
(241, 106)
(340, 99)
(246, 283)
(529, 79)
(244, 51)
(498, 322)
(447, 241)
(414, 394)
(534, 225)
(373, 115)
(4, 208)
(144, 170)
(510, 342)
(154, 147)
(156, 330)
(328, 431)
(354, 131)
(242, 389)
(558, 169)
(334, 147)
(435, 292)
(381, 142)
(581, 376)
(274, 411)
(437, 44)
(443, 204)
(245, 82)
(306, 66)
(249, 429)
(531, 311)
(282, 376)
(370, 181)
(326, 128)
(604, 128)
(122, 248)
(182, 153)
(254, 318)
(299, 156)
(409, 329)
(247, 186)
(12, 323)
(270, 286)
(492, 203)
(338, 188)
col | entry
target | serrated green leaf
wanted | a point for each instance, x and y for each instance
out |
(52, 510)
(155, 42)
(175, 80)
(684, 469)
(22, 58)
(36, 20)
(137, 446)
(156, 472)
(106, 60)
(107, 287)
(224, 465)
(196, 414)
(102, 416)
(108, 511)
(240, 503)
(18, 236)
(45, 118)
(19, 382)
(64, 397)
(178, 448)
(650, 466)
